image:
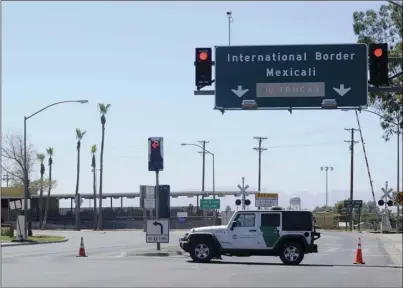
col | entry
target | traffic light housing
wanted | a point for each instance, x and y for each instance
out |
(378, 64)
(204, 67)
(155, 154)
(164, 205)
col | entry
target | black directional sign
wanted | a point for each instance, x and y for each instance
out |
(279, 77)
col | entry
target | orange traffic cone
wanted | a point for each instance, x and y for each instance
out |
(81, 251)
(358, 255)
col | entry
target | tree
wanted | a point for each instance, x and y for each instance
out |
(94, 181)
(41, 157)
(79, 136)
(49, 151)
(12, 152)
(103, 109)
(384, 26)
(227, 208)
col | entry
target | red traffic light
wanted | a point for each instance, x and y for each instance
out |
(203, 56)
(378, 52)
(155, 144)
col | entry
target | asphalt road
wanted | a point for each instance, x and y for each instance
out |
(111, 262)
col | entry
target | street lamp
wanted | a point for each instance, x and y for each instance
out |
(327, 169)
(26, 191)
(212, 154)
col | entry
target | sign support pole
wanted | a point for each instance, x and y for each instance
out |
(157, 203)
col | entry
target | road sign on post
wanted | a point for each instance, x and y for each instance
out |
(157, 231)
(209, 204)
(266, 199)
(292, 76)
(354, 203)
(399, 198)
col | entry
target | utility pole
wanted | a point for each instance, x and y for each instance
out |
(260, 150)
(203, 143)
(327, 169)
(6, 178)
(352, 142)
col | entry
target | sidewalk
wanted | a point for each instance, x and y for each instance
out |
(15, 244)
(395, 239)
(393, 245)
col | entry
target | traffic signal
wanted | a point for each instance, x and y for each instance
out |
(164, 205)
(204, 67)
(378, 64)
(155, 154)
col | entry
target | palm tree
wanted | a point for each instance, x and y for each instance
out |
(94, 182)
(79, 136)
(41, 157)
(103, 109)
(49, 151)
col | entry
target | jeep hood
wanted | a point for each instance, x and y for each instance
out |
(209, 229)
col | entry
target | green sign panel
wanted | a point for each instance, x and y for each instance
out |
(354, 203)
(209, 204)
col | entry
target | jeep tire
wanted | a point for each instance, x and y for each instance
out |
(291, 253)
(201, 250)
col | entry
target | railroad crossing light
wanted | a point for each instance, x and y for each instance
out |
(155, 154)
(237, 202)
(390, 203)
(378, 64)
(204, 67)
(381, 202)
(247, 202)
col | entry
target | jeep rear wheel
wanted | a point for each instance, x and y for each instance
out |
(291, 253)
(201, 250)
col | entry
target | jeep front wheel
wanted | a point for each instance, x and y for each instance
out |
(291, 253)
(201, 251)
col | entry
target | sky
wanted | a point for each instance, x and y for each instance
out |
(138, 57)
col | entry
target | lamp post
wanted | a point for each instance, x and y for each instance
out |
(327, 169)
(26, 191)
(212, 154)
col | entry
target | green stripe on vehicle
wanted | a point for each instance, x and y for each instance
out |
(270, 235)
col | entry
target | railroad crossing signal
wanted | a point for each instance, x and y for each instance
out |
(155, 154)
(386, 198)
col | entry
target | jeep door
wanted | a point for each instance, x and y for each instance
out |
(269, 230)
(244, 235)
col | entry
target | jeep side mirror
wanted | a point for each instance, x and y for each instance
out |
(233, 225)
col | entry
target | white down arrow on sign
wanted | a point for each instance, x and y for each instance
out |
(240, 92)
(341, 91)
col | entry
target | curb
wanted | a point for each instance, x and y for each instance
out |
(153, 254)
(33, 243)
